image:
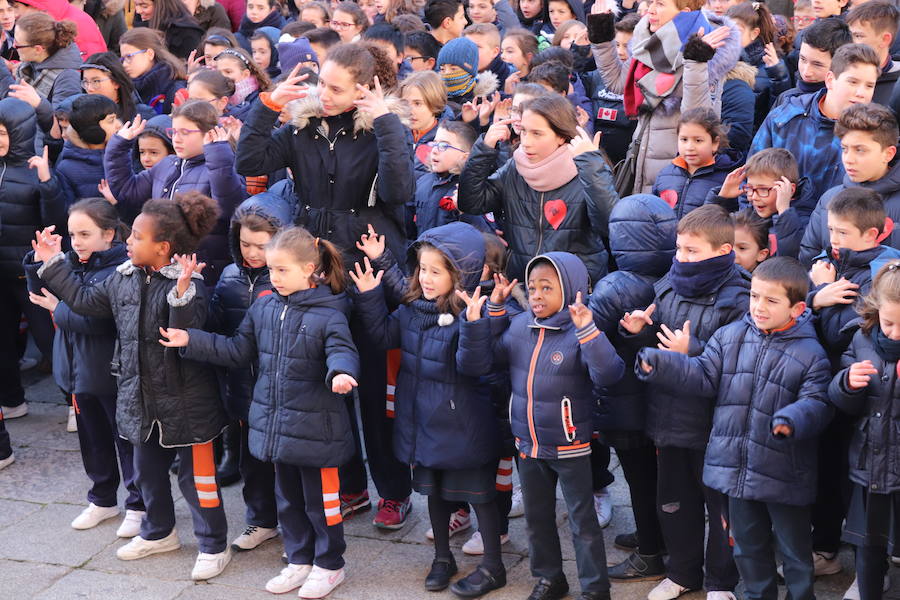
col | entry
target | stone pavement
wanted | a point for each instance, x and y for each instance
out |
(42, 557)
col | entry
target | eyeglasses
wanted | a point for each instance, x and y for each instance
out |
(411, 58)
(802, 20)
(171, 131)
(341, 25)
(92, 84)
(127, 58)
(757, 190)
(19, 46)
(443, 146)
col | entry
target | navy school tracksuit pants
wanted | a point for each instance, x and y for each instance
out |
(197, 480)
(259, 486)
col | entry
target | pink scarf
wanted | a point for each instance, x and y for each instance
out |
(552, 173)
(242, 89)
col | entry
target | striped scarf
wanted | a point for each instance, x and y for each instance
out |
(459, 82)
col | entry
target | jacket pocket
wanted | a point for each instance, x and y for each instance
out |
(568, 421)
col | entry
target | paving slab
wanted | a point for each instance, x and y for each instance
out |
(83, 584)
(27, 579)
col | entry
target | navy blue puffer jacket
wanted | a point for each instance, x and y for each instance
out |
(445, 418)
(553, 367)
(759, 380)
(684, 191)
(240, 286)
(79, 170)
(301, 341)
(642, 240)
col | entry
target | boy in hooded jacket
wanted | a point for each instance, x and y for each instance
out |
(770, 377)
(556, 357)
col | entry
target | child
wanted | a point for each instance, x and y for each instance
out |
(316, 13)
(487, 37)
(823, 9)
(421, 50)
(819, 43)
(447, 19)
(803, 16)
(866, 388)
(295, 422)
(517, 49)
(349, 20)
(769, 376)
(426, 97)
(249, 80)
(439, 388)
(259, 13)
(531, 14)
(751, 239)
(213, 87)
(703, 291)
(157, 74)
(556, 356)
(876, 26)
(166, 406)
(487, 12)
(621, 412)
(868, 136)
(702, 163)
(82, 350)
(265, 53)
(154, 143)
(558, 12)
(203, 161)
(244, 282)
(805, 124)
(772, 188)
(458, 65)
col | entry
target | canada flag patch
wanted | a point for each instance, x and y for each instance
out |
(607, 114)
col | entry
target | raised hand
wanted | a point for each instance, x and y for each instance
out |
(371, 244)
(232, 126)
(581, 315)
(860, 374)
(487, 108)
(675, 341)
(291, 88)
(716, 38)
(45, 299)
(103, 188)
(731, 187)
(46, 244)
(502, 288)
(342, 383)
(132, 129)
(175, 338)
(511, 82)
(770, 55)
(634, 322)
(216, 134)
(822, 272)
(25, 92)
(193, 61)
(41, 164)
(473, 303)
(498, 132)
(502, 110)
(366, 279)
(372, 101)
(841, 291)
(583, 143)
(189, 266)
(469, 110)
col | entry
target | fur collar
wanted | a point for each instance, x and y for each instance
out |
(170, 271)
(303, 110)
(486, 84)
(744, 72)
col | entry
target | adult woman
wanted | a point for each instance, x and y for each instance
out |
(156, 73)
(103, 74)
(50, 59)
(87, 36)
(174, 20)
(349, 20)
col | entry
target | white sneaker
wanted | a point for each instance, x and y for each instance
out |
(475, 545)
(321, 582)
(93, 515)
(14, 412)
(518, 507)
(290, 578)
(71, 424)
(666, 590)
(138, 547)
(131, 524)
(720, 595)
(252, 537)
(208, 566)
(603, 507)
(825, 565)
(7, 461)
(459, 522)
(852, 592)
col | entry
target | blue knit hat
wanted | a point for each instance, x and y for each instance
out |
(460, 52)
(290, 54)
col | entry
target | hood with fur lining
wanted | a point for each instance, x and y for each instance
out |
(744, 72)
(304, 109)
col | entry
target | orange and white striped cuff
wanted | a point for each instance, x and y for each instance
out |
(331, 495)
(205, 475)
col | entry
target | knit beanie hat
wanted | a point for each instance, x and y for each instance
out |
(156, 127)
(87, 112)
(290, 54)
(461, 54)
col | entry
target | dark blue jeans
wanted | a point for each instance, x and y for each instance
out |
(755, 526)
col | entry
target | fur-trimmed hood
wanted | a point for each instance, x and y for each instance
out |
(486, 83)
(744, 72)
(304, 109)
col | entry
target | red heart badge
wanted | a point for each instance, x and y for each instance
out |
(555, 211)
(423, 153)
(888, 229)
(670, 196)
(773, 244)
(664, 82)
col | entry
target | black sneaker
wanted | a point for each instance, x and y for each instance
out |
(638, 567)
(478, 583)
(550, 589)
(442, 569)
(626, 541)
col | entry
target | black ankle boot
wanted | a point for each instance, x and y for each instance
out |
(227, 470)
(479, 582)
(442, 569)
(639, 567)
(550, 589)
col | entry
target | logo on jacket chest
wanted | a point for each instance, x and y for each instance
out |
(557, 358)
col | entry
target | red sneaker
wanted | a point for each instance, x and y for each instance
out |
(392, 514)
(354, 503)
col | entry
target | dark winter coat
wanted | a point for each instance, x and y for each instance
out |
(679, 418)
(56, 78)
(684, 191)
(817, 238)
(183, 34)
(83, 346)
(79, 171)
(586, 203)
(240, 111)
(770, 81)
(445, 418)
(157, 87)
(608, 112)
(237, 289)
(301, 341)
(642, 241)
(248, 27)
(738, 107)
(431, 189)
(554, 368)
(211, 173)
(759, 380)
(801, 88)
(156, 386)
(885, 84)
(875, 445)
(364, 176)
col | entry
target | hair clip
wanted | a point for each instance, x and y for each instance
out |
(756, 5)
(893, 266)
(234, 53)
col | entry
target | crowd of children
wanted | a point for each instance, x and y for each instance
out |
(487, 241)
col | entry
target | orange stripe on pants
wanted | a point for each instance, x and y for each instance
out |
(331, 498)
(75, 405)
(393, 367)
(205, 475)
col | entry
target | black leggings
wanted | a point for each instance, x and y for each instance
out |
(439, 511)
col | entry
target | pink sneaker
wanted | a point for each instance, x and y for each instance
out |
(392, 514)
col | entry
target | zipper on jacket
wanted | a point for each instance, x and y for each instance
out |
(530, 389)
(540, 228)
(175, 183)
(276, 387)
(331, 142)
(745, 440)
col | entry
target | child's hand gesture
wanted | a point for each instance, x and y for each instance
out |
(633, 322)
(784, 192)
(372, 101)
(860, 374)
(132, 129)
(473, 302)
(46, 244)
(189, 266)
(469, 110)
(290, 89)
(175, 338)
(731, 187)
(498, 132)
(716, 38)
(193, 61)
(366, 280)
(502, 109)
(511, 82)
(581, 315)
(583, 143)
(47, 300)
(41, 164)
(216, 134)
(675, 341)
(841, 291)
(103, 188)
(822, 272)
(487, 108)
(232, 126)
(502, 288)
(371, 244)
(342, 383)
(770, 55)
